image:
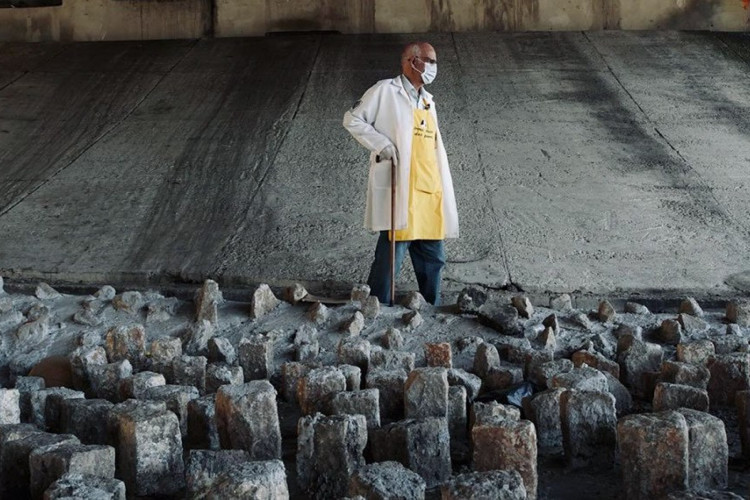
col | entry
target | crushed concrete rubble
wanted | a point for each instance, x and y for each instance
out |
(125, 394)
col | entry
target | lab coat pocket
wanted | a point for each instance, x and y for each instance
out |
(428, 180)
(381, 174)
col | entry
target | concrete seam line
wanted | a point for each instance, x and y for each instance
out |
(483, 167)
(101, 136)
(231, 241)
(683, 160)
(26, 72)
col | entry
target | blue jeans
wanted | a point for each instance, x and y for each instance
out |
(427, 257)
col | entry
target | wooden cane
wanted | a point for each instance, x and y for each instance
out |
(393, 232)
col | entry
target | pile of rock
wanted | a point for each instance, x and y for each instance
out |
(200, 414)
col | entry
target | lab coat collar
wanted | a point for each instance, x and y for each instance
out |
(398, 83)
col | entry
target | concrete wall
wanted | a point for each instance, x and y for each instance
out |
(155, 19)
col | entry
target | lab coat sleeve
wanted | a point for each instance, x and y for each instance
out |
(360, 118)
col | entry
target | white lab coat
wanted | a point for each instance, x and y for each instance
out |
(382, 117)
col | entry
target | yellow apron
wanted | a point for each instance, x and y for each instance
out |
(425, 219)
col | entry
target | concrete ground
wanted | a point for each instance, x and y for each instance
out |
(603, 162)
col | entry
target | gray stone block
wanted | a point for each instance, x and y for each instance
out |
(81, 486)
(543, 409)
(291, 374)
(266, 480)
(391, 360)
(176, 397)
(482, 413)
(135, 386)
(26, 386)
(673, 396)
(730, 373)
(317, 386)
(163, 353)
(10, 407)
(329, 451)
(218, 374)
(256, 357)
(589, 428)
(354, 351)
(204, 466)
(582, 379)
(365, 402)
(86, 419)
(386, 481)
(489, 485)
(190, 370)
(149, 450)
(353, 376)
(708, 451)
(221, 350)
(49, 418)
(82, 360)
(16, 473)
(404, 442)
(48, 464)
(247, 419)
(390, 384)
(203, 432)
(126, 343)
(426, 393)
(105, 379)
(469, 381)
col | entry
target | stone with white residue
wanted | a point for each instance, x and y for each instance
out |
(606, 312)
(263, 301)
(207, 303)
(318, 313)
(197, 336)
(690, 306)
(295, 293)
(739, 312)
(393, 339)
(130, 302)
(105, 293)
(360, 293)
(523, 305)
(45, 292)
(354, 325)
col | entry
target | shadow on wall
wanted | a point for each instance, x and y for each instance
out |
(696, 15)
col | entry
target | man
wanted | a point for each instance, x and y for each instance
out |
(396, 120)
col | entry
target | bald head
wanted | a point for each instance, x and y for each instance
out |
(413, 58)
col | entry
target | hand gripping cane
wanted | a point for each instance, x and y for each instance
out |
(393, 232)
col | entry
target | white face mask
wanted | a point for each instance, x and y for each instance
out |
(429, 73)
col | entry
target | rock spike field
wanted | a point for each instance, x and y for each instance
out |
(133, 394)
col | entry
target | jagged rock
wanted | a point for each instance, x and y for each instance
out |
(295, 293)
(623, 398)
(690, 306)
(130, 302)
(218, 374)
(87, 317)
(636, 358)
(197, 336)
(551, 322)
(485, 358)
(74, 485)
(561, 302)
(739, 312)
(207, 303)
(414, 301)
(583, 321)
(732, 328)
(730, 343)
(105, 293)
(596, 360)
(606, 312)
(306, 343)
(470, 300)
(318, 313)
(392, 360)
(360, 293)
(105, 379)
(81, 362)
(32, 332)
(584, 378)
(486, 413)
(499, 316)
(10, 407)
(176, 397)
(670, 332)
(469, 381)
(371, 307)
(542, 373)
(221, 350)
(692, 325)
(163, 353)
(161, 310)
(38, 312)
(547, 339)
(675, 372)
(45, 292)
(291, 373)
(635, 308)
(543, 409)
(135, 387)
(523, 305)
(354, 325)
(262, 302)
(412, 320)
(393, 339)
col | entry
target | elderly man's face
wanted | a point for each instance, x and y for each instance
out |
(427, 55)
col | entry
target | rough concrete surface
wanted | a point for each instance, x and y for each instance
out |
(607, 162)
